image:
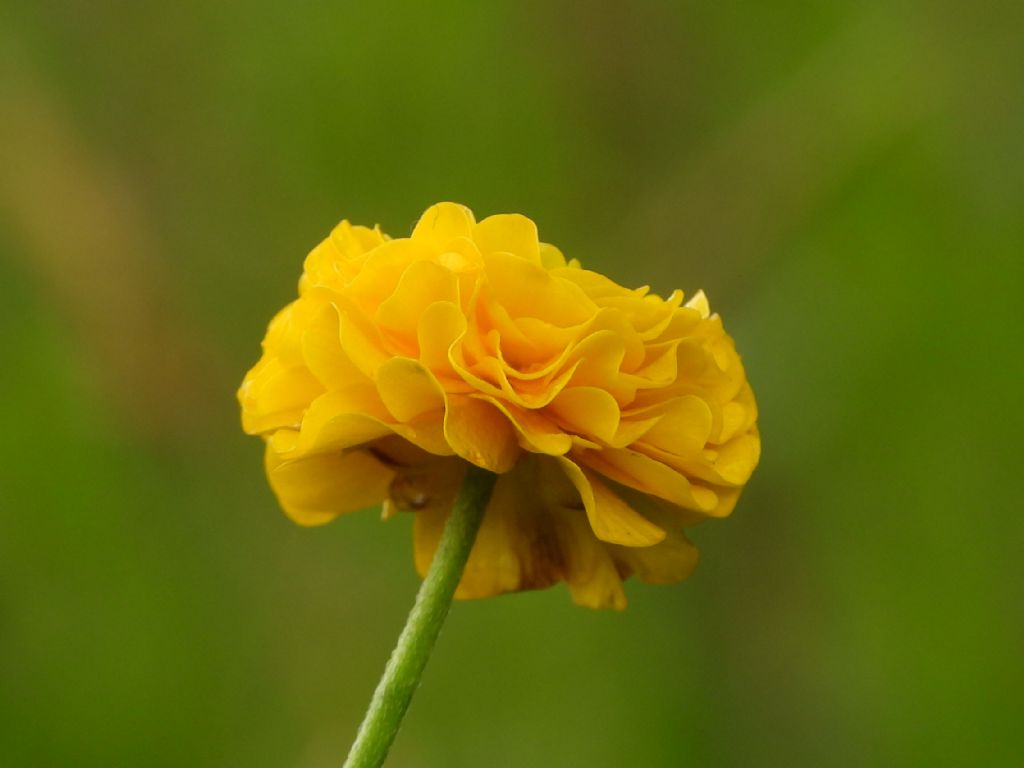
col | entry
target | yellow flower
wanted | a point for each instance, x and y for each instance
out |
(615, 418)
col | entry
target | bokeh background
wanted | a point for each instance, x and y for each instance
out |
(846, 180)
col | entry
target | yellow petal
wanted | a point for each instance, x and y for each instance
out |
(441, 325)
(684, 427)
(362, 343)
(700, 303)
(442, 223)
(590, 572)
(526, 289)
(515, 548)
(407, 389)
(536, 432)
(323, 353)
(647, 475)
(332, 423)
(610, 517)
(587, 411)
(422, 284)
(316, 489)
(508, 233)
(274, 396)
(667, 562)
(382, 270)
(480, 433)
(551, 257)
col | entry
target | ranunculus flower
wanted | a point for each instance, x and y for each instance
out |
(615, 418)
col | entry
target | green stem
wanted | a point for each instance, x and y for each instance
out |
(404, 668)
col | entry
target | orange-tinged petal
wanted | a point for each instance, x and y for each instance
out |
(610, 517)
(316, 489)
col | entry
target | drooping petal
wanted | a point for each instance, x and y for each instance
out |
(645, 474)
(316, 489)
(594, 580)
(611, 519)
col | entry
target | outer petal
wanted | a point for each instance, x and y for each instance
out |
(649, 476)
(668, 561)
(274, 396)
(611, 518)
(316, 489)
(593, 578)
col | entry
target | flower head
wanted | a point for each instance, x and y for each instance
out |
(615, 418)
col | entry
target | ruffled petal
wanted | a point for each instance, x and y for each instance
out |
(421, 285)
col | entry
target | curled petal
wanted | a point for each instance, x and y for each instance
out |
(610, 517)
(645, 474)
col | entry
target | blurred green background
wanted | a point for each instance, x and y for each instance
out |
(846, 180)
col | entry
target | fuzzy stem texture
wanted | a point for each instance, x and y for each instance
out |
(404, 668)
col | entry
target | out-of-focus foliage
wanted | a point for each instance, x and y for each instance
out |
(845, 180)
